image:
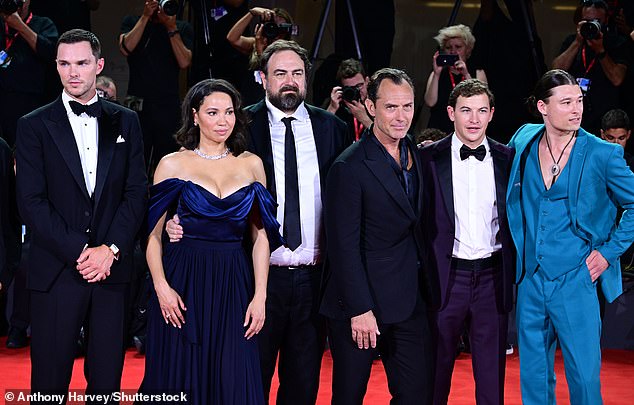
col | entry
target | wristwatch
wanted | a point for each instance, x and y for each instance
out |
(115, 250)
(172, 33)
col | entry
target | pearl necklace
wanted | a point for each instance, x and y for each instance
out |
(212, 157)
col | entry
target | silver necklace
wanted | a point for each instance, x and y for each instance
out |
(212, 157)
(555, 169)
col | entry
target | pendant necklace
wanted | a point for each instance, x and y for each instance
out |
(212, 157)
(554, 168)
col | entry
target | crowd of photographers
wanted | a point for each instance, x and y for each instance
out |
(158, 47)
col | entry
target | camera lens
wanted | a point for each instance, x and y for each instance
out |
(10, 6)
(270, 30)
(590, 29)
(169, 7)
(350, 93)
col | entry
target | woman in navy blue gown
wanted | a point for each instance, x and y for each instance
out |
(209, 301)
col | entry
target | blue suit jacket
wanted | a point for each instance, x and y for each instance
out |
(600, 180)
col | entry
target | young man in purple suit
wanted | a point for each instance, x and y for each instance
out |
(470, 252)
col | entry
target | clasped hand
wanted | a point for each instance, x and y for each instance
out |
(94, 263)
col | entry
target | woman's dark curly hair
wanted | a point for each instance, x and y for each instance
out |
(188, 136)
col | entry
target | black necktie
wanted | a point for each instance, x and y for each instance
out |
(291, 230)
(93, 110)
(479, 152)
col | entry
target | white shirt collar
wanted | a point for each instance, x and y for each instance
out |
(276, 115)
(66, 99)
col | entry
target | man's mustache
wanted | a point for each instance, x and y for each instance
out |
(289, 87)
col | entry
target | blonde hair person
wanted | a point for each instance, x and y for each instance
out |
(454, 40)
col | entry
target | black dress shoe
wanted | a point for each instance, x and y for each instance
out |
(16, 338)
(139, 343)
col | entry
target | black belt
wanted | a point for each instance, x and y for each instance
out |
(298, 267)
(478, 264)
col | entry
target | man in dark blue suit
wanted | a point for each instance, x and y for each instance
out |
(81, 190)
(470, 250)
(374, 290)
(297, 144)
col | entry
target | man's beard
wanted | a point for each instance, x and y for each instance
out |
(287, 102)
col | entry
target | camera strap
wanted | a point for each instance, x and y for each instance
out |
(585, 62)
(8, 41)
(358, 129)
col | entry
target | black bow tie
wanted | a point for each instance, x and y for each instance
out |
(479, 152)
(93, 110)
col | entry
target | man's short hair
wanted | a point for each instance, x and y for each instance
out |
(430, 134)
(349, 68)
(596, 4)
(283, 45)
(615, 119)
(469, 88)
(78, 35)
(396, 76)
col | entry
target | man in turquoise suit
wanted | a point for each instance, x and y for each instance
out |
(564, 188)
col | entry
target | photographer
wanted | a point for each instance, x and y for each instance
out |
(450, 66)
(27, 46)
(273, 25)
(598, 59)
(347, 101)
(157, 47)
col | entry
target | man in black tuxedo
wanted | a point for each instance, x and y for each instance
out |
(82, 191)
(469, 245)
(297, 144)
(373, 293)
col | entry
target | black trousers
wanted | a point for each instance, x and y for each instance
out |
(407, 356)
(294, 329)
(57, 315)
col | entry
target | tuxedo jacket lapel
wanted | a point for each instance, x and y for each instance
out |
(500, 165)
(60, 130)
(444, 172)
(108, 131)
(381, 169)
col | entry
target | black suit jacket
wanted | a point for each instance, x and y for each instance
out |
(439, 217)
(53, 199)
(373, 237)
(9, 223)
(330, 139)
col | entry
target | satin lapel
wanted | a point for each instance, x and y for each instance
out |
(381, 169)
(261, 138)
(575, 165)
(59, 127)
(320, 145)
(419, 172)
(108, 133)
(500, 164)
(442, 161)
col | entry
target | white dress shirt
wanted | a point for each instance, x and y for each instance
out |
(86, 132)
(310, 207)
(475, 204)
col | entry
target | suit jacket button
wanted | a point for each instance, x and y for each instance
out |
(86, 213)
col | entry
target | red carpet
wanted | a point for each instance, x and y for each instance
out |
(616, 378)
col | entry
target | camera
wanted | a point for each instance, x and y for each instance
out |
(10, 6)
(590, 29)
(351, 93)
(271, 30)
(446, 59)
(169, 7)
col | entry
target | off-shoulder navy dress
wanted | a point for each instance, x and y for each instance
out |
(209, 358)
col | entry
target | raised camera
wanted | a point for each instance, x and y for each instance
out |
(351, 93)
(10, 6)
(446, 59)
(169, 7)
(271, 30)
(590, 29)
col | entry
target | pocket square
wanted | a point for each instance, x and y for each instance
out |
(120, 139)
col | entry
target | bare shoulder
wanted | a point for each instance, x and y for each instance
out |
(254, 164)
(171, 165)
